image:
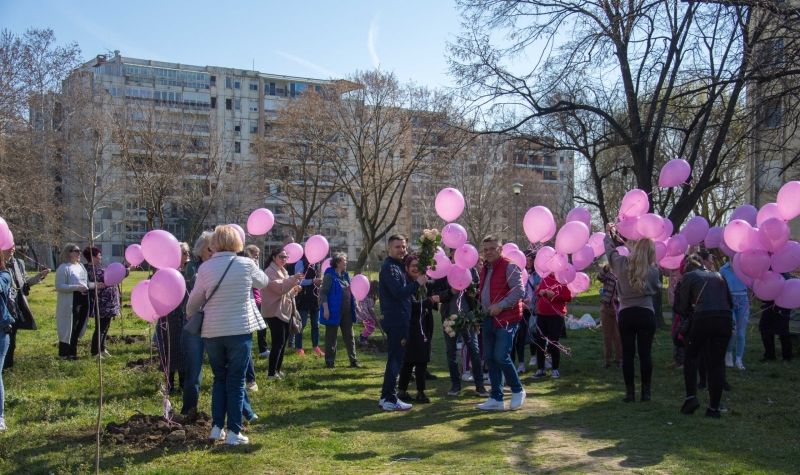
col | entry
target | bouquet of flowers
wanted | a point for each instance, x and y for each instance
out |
(471, 319)
(428, 243)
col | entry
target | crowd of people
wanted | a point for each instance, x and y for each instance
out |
(230, 296)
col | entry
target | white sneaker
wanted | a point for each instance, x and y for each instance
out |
(395, 406)
(381, 401)
(217, 433)
(517, 400)
(532, 362)
(467, 377)
(491, 404)
(252, 387)
(739, 364)
(236, 439)
(3, 424)
(729, 360)
(264, 354)
(521, 368)
(548, 363)
(555, 374)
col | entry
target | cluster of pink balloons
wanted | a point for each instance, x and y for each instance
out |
(758, 242)
(162, 293)
(6, 236)
(449, 206)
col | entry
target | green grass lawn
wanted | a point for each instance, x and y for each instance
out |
(327, 421)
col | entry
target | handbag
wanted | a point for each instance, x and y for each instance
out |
(295, 322)
(194, 325)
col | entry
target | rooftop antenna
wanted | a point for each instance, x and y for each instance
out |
(254, 64)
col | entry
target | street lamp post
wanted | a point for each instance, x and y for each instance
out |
(517, 189)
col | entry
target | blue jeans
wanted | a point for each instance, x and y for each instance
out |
(470, 338)
(741, 315)
(192, 348)
(228, 356)
(5, 340)
(305, 315)
(250, 373)
(394, 361)
(497, 344)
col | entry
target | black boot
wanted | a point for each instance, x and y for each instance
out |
(629, 394)
(690, 404)
(645, 393)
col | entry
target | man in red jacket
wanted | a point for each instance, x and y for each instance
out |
(501, 292)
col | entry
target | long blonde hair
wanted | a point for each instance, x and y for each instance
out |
(641, 259)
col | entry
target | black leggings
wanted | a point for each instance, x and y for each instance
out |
(637, 326)
(104, 324)
(419, 370)
(550, 327)
(279, 331)
(520, 339)
(708, 337)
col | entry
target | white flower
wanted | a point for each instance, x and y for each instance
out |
(453, 317)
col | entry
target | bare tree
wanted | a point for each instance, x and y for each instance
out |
(643, 73)
(296, 160)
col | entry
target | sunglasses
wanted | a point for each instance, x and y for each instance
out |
(75, 250)
(283, 257)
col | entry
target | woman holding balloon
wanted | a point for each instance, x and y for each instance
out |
(169, 330)
(278, 307)
(108, 299)
(338, 310)
(72, 302)
(637, 283)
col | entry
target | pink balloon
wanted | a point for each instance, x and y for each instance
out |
(754, 262)
(114, 274)
(668, 228)
(661, 250)
(627, 227)
(240, 232)
(789, 200)
(583, 257)
(449, 204)
(725, 249)
(580, 214)
(769, 210)
(671, 262)
(571, 237)
(713, 237)
(161, 249)
(579, 284)
(674, 173)
(650, 225)
(769, 285)
(677, 245)
(754, 240)
(773, 233)
(558, 262)
(466, 256)
(359, 287)
(539, 224)
(736, 265)
(748, 213)
(787, 258)
(294, 252)
(443, 265)
(566, 275)
(542, 261)
(316, 248)
(508, 247)
(459, 278)
(326, 264)
(737, 234)
(260, 222)
(623, 251)
(6, 236)
(695, 230)
(596, 240)
(133, 254)
(517, 257)
(635, 203)
(140, 301)
(454, 235)
(790, 294)
(166, 291)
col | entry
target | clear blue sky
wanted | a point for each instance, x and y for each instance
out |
(314, 38)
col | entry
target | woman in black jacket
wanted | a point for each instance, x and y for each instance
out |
(418, 344)
(703, 299)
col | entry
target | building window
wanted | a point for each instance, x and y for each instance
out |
(237, 128)
(237, 147)
(272, 89)
(213, 102)
(228, 83)
(117, 250)
(253, 86)
(253, 129)
(253, 107)
(213, 80)
(228, 104)
(237, 104)
(550, 175)
(772, 113)
(237, 84)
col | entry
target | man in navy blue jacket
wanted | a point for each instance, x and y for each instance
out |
(395, 294)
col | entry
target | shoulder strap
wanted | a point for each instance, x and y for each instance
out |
(220, 281)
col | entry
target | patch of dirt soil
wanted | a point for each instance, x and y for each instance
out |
(143, 364)
(128, 339)
(144, 431)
